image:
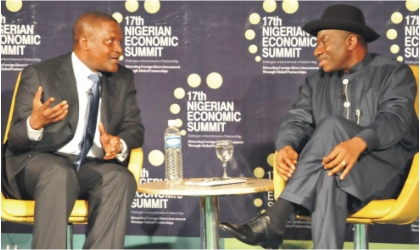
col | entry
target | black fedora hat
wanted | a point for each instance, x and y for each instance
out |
(342, 17)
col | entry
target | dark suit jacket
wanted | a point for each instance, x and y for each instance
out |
(119, 112)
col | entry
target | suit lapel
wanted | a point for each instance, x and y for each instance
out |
(109, 91)
(66, 86)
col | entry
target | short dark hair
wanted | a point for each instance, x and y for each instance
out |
(87, 21)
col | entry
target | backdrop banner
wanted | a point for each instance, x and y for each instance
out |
(221, 69)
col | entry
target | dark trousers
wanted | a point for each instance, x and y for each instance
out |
(51, 180)
(327, 198)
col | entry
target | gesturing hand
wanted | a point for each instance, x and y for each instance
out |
(43, 114)
(110, 143)
(344, 156)
(286, 160)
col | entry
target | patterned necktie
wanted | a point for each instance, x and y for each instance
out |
(92, 117)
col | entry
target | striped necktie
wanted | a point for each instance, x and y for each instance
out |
(91, 123)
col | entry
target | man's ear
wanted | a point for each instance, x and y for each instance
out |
(84, 42)
(352, 41)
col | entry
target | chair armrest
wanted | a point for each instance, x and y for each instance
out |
(136, 163)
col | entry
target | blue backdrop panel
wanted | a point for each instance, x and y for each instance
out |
(221, 69)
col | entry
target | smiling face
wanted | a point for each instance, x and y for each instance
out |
(334, 51)
(103, 47)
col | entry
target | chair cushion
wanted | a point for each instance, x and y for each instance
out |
(25, 208)
(375, 209)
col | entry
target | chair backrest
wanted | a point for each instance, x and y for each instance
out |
(12, 109)
(9, 120)
(415, 69)
(406, 208)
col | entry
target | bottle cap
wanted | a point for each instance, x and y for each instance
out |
(171, 123)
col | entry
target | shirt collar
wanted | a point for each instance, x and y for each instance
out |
(362, 64)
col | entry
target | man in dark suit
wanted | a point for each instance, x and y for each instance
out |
(50, 155)
(349, 138)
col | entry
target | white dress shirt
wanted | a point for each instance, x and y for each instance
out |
(83, 86)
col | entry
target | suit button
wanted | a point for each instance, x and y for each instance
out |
(32, 146)
(29, 156)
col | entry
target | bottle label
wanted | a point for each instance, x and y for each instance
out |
(173, 141)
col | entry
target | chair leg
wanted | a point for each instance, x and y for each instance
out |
(360, 236)
(70, 236)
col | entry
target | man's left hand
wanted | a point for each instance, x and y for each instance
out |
(110, 143)
(344, 156)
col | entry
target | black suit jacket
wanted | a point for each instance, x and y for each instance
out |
(119, 112)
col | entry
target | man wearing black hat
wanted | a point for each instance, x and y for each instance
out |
(348, 139)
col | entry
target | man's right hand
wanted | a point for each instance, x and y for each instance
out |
(286, 162)
(43, 114)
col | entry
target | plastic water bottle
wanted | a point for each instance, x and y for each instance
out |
(173, 154)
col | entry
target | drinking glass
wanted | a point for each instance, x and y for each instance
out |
(224, 151)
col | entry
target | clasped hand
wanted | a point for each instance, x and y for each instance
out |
(342, 158)
(110, 143)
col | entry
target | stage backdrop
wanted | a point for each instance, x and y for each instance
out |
(222, 70)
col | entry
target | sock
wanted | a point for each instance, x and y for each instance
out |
(279, 214)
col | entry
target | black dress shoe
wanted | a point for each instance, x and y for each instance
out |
(254, 232)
